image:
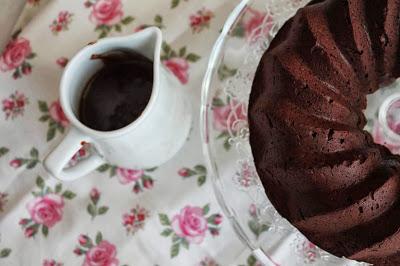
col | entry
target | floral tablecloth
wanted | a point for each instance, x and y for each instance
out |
(114, 216)
(162, 216)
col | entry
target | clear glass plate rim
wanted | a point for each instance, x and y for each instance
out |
(204, 109)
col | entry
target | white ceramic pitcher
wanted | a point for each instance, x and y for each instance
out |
(149, 141)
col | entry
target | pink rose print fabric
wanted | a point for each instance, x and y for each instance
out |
(306, 251)
(61, 22)
(250, 26)
(16, 57)
(98, 252)
(29, 162)
(255, 224)
(106, 12)
(178, 61)
(179, 67)
(226, 115)
(139, 179)
(201, 20)
(80, 155)
(107, 15)
(14, 105)
(198, 170)
(135, 219)
(190, 226)
(62, 61)
(245, 175)
(114, 215)
(126, 176)
(92, 208)
(57, 114)
(46, 209)
(54, 115)
(50, 262)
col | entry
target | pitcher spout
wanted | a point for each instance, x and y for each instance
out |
(147, 42)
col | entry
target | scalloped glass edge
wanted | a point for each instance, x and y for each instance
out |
(239, 137)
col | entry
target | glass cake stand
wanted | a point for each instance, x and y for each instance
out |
(226, 88)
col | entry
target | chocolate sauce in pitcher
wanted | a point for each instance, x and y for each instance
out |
(118, 93)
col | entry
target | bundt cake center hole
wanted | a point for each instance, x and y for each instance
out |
(383, 115)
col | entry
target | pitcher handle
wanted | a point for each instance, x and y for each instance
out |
(61, 155)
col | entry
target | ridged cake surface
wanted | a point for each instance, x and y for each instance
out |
(320, 169)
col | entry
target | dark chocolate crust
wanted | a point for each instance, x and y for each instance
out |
(320, 169)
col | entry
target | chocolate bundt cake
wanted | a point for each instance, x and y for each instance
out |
(320, 169)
